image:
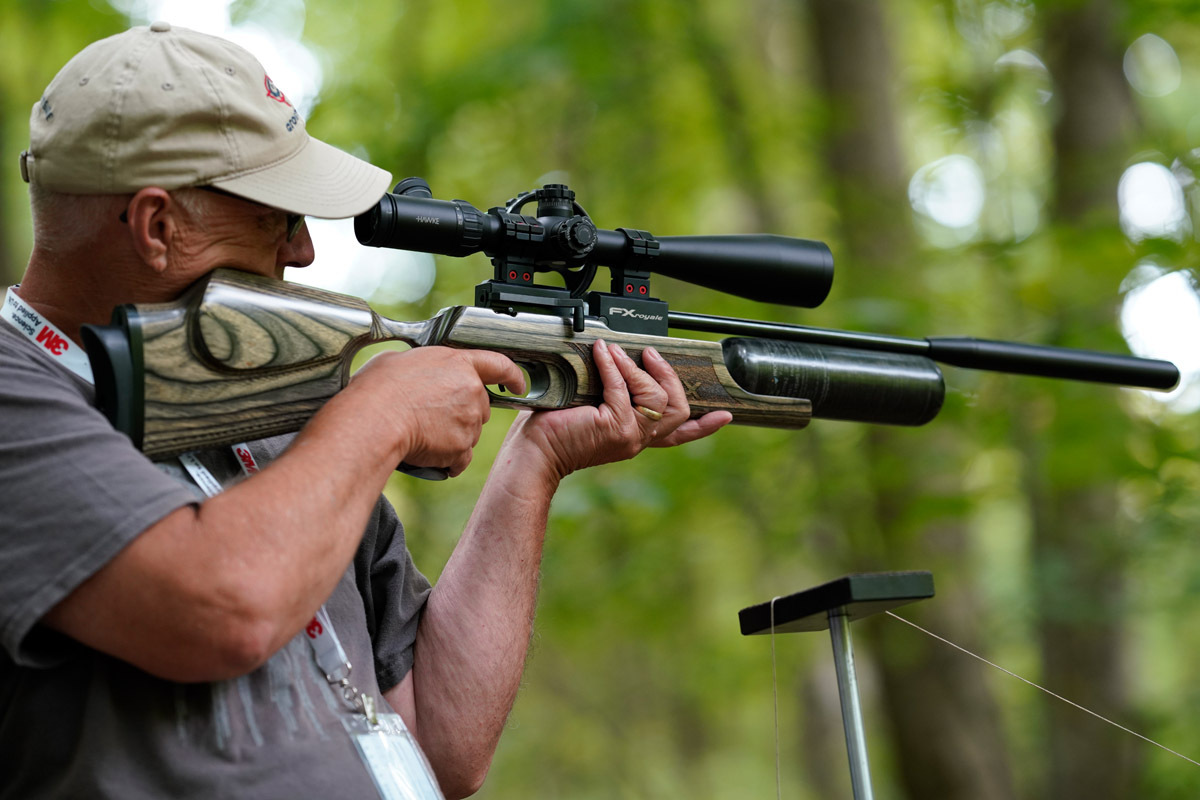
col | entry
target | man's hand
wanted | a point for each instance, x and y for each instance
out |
(643, 407)
(434, 400)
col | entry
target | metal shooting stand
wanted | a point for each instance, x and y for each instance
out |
(835, 605)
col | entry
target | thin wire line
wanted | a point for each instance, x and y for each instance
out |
(775, 689)
(1043, 688)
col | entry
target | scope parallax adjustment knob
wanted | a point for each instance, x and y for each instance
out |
(575, 238)
(555, 200)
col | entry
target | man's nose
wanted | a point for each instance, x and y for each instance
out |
(299, 252)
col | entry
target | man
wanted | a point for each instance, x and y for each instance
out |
(154, 626)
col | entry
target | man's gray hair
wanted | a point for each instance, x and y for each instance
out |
(65, 222)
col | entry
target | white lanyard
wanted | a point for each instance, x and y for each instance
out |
(43, 333)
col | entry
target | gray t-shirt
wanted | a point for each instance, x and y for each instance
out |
(77, 723)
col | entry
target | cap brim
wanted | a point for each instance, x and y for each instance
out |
(318, 181)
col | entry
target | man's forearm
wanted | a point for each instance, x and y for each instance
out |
(218, 589)
(474, 633)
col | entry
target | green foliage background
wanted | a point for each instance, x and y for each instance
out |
(711, 117)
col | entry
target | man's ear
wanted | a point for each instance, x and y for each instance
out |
(152, 216)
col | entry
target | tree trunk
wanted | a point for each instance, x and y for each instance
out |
(945, 725)
(1078, 556)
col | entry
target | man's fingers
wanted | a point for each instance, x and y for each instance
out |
(615, 391)
(642, 387)
(496, 369)
(664, 374)
(695, 429)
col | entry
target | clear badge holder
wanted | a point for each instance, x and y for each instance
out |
(386, 746)
(393, 757)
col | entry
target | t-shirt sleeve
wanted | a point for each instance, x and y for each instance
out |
(73, 492)
(394, 592)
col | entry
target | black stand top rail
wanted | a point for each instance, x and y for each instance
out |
(859, 595)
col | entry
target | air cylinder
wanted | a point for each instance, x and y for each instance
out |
(842, 383)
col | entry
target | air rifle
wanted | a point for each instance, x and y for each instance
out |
(240, 357)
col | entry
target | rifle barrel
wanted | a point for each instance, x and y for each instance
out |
(995, 356)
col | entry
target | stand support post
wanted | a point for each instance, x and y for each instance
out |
(835, 605)
(852, 719)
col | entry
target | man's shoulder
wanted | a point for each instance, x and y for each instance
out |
(13, 342)
(32, 380)
(19, 355)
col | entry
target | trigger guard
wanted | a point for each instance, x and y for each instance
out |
(540, 383)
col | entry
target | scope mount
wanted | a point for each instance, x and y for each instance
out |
(563, 228)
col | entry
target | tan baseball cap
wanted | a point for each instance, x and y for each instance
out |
(169, 107)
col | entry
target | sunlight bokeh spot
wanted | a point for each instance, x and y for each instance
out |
(1160, 318)
(949, 191)
(1152, 67)
(1151, 203)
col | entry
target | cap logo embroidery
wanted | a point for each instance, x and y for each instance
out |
(273, 91)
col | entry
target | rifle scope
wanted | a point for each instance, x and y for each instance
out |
(767, 268)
